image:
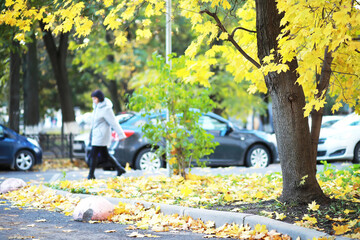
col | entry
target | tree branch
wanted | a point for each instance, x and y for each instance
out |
(324, 80)
(241, 28)
(230, 37)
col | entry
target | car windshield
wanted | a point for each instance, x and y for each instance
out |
(329, 123)
(124, 117)
(350, 120)
(210, 124)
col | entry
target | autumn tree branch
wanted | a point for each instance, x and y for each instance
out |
(241, 28)
(231, 37)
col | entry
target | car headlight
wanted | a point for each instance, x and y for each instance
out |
(33, 141)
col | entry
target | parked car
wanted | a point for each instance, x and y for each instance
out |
(328, 120)
(79, 145)
(341, 140)
(17, 151)
(236, 146)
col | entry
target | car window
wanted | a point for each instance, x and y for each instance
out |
(124, 117)
(350, 120)
(356, 123)
(328, 123)
(211, 124)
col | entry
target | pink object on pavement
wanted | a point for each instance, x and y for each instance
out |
(11, 184)
(93, 208)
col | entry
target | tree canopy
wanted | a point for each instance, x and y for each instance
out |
(308, 28)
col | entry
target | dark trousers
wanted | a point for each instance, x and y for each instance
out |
(99, 154)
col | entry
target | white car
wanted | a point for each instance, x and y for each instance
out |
(79, 145)
(341, 140)
(328, 120)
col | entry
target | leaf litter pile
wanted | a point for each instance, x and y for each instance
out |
(250, 193)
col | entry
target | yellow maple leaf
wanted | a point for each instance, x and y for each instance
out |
(313, 206)
(127, 167)
(120, 40)
(186, 191)
(172, 160)
(280, 216)
(310, 219)
(260, 228)
(340, 229)
(347, 211)
(228, 197)
(226, 4)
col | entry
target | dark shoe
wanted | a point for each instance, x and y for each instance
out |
(91, 176)
(120, 170)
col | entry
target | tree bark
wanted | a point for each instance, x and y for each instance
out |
(14, 105)
(57, 57)
(31, 89)
(114, 95)
(322, 85)
(298, 161)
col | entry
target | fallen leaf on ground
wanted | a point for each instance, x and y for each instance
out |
(40, 220)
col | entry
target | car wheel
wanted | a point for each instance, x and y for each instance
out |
(147, 160)
(258, 155)
(24, 160)
(357, 154)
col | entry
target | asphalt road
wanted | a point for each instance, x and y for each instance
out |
(41, 224)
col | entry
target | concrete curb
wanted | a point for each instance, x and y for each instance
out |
(221, 217)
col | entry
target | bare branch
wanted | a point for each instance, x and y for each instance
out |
(230, 37)
(344, 73)
(241, 28)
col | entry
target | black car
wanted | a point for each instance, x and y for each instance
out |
(17, 151)
(236, 146)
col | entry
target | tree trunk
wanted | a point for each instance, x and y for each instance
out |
(31, 89)
(114, 95)
(14, 105)
(298, 161)
(58, 63)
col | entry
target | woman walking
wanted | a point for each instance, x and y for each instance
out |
(103, 119)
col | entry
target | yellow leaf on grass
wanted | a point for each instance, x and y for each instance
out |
(347, 211)
(186, 191)
(280, 216)
(228, 197)
(313, 206)
(309, 219)
(340, 229)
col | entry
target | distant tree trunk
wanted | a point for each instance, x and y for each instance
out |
(112, 85)
(298, 161)
(57, 57)
(31, 89)
(114, 95)
(14, 105)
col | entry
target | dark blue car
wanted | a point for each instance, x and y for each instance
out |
(17, 151)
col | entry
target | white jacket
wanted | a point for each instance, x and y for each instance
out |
(103, 119)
